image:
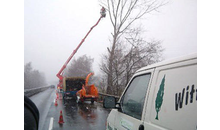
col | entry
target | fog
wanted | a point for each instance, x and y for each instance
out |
(53, 29)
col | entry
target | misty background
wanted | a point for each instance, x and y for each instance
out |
(53, 29)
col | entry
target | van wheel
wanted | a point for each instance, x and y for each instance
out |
(141, 127)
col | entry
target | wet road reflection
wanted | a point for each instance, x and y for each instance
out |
(84, 116)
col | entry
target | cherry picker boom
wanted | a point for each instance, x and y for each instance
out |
(60, 73)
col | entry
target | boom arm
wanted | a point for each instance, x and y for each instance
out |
(60, 73)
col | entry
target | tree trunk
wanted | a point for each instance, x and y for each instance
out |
(110, 74)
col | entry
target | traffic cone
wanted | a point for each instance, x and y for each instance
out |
(61, 118)
(57, 95)
(56, 103)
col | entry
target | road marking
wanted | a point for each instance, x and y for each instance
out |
(54, 100)
(51, 123)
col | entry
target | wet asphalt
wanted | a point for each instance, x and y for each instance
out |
(84, 116)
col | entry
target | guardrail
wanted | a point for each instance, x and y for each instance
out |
(102, 95)
(31, 92)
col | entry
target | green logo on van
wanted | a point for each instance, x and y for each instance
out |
(159, 98)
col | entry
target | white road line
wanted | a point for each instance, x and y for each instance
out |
(51, 123)
(54, 100)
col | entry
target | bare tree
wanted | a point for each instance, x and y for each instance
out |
(140, 53)
(128, 59)
(33, 78)
(80, 67)
(27, 72)
(123, 14)
(99, 81)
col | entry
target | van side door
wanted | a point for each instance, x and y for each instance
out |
(129, 117)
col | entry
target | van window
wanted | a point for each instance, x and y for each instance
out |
(133, 99)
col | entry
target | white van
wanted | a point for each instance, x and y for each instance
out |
(162, 96)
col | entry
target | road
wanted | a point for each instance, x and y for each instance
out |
(84, 116)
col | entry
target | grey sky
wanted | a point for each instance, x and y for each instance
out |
(53, 29)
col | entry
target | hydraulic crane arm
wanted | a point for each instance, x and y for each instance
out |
(60, 73)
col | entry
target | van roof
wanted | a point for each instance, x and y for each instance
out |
(166, 62)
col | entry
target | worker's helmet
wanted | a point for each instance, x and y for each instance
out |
(103, 12)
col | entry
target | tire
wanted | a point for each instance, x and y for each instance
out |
(92, 101)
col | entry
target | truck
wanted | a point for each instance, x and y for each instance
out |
(162, 96)
(61, 71)
(78, 89)
(71, 85)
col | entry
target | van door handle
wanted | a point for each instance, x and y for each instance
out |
(141, 127)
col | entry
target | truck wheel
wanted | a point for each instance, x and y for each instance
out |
(81, 100)
(75, 98)
(92, 101)
(64, 99)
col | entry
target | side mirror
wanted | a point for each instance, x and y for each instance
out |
(109, 102)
